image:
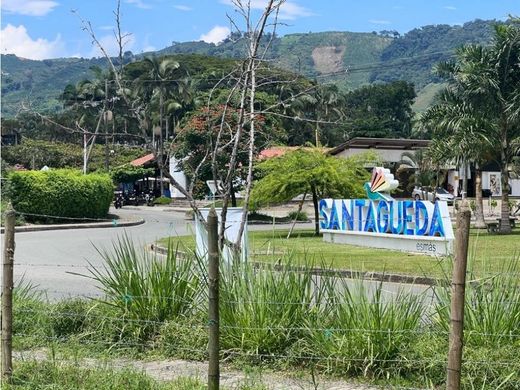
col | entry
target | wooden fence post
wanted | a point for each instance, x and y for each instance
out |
(213, 323)
(7, 295)
(458, 287)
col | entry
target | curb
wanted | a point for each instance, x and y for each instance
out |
(38, 228)
(342, 273)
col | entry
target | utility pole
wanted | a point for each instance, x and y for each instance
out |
(7, 295)
(213, 304)
(105, 119)
(458, 288)
(161, 150)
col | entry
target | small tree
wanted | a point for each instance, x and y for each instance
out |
(309, 171)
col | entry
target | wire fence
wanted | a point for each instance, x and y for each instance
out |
(323, 326)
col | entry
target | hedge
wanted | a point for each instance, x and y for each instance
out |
(60, 193)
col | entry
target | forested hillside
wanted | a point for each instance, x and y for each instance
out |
(349, 60)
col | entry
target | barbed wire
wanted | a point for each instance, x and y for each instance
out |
(329, 331)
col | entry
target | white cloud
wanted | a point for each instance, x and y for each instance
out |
(28, 7)
(182, 7)
(16, 40)
(109, 44)
(450, 7)
(216, 34)
(106, 28)
(289, 10)
(378, 21)
(149, 48)
(139, 4)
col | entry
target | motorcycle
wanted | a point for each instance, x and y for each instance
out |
(118, 201)
(132, 199)
(149, 198)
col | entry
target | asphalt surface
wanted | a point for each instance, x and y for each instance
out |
(48, 259)
(54, 261)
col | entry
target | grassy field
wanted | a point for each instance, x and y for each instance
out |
(487, 252)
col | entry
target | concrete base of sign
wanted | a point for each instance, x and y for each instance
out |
(433, 246)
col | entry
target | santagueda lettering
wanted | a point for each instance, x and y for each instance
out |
(396, 217)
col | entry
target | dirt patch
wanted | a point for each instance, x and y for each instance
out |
(328, 59)
(168, 370)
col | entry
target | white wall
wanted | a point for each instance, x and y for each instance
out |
(387, 155)
(179, 176)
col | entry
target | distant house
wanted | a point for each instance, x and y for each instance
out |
(177, 173)
(391, 149)
(10, 137)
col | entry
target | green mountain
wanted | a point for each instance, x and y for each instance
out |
(345, 58)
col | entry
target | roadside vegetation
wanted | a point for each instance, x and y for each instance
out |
(487, 252)
(281, 319)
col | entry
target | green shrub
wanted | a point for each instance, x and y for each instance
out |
(60, 193)
(162, 200)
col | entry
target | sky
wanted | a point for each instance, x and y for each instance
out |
(40, 29)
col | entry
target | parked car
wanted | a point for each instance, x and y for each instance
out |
(427, 193)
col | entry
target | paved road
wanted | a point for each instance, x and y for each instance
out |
(37, 253)
(48, 259)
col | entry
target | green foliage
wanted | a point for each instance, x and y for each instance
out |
(60, 193)
(69, 317)
(128, 173)
(380, 110)
(162, 200)
(32, 374)
(279, 317)
(263, 312)
(35, 154)
(308, 170)
(388, 325)
(415, 53)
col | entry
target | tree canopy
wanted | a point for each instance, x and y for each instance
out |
(309, 171)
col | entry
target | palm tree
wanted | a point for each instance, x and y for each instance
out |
(486, 80)
(460, 142)
(328, 106)
(163, 80)
(420, 162)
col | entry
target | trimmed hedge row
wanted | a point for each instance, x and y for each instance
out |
(61, 193)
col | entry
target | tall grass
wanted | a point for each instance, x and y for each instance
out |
(263, 311)
(287, 315)
(144, 286)
(492, 306)
(366, 331)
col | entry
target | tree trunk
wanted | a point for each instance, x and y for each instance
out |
(300, 206)
(479, 204)
(316, 211)
(161, 184)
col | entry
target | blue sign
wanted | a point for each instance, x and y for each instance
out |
(383, 222)
(398, 217)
